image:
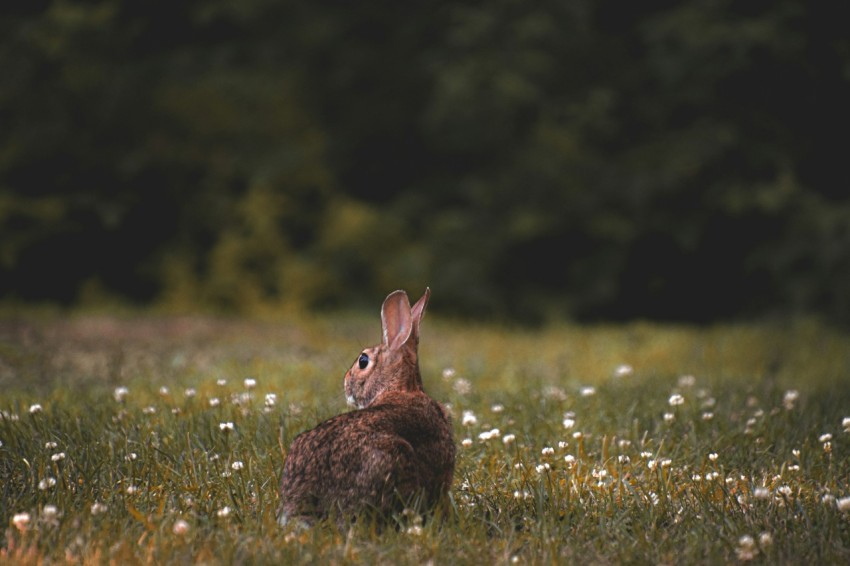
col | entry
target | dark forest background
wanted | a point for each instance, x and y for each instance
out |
(595, 160)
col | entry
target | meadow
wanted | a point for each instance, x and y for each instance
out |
(135, 440)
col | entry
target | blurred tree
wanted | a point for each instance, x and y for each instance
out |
(589, 159)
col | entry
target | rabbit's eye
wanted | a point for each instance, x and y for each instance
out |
(363, 361)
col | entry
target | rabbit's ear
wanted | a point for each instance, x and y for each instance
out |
(396, 319)
(418, 310)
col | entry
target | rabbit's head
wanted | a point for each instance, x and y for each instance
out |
(392, 365)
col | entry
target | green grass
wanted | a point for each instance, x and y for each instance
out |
(637, 477)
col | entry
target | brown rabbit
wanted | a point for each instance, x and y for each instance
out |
(396, 449)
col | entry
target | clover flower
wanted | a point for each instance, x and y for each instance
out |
(623, 370)
(120, 393)
(180, 528)
(98, 508)
(21, 521)
(490, 434)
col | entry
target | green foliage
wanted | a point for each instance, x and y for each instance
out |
(531, 161)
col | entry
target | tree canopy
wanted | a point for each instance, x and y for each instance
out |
(529, 160)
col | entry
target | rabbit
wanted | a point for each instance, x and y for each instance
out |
(395, 450)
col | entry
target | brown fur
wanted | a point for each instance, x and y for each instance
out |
(395, 449)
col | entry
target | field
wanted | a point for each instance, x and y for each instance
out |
(161, 440)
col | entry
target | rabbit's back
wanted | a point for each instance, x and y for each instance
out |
(374, 458)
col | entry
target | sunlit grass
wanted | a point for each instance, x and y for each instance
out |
(162, 441)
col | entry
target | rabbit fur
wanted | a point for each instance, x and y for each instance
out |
(394, 450)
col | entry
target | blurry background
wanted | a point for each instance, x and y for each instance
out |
(595, 160)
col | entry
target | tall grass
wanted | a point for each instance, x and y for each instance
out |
(156, 441)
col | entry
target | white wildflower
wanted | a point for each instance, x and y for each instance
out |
(563, 444)
(120, 393)
(98, 508)
(490, 434)
(50, 445)
(215, 402)
(270, 399)
(587, 391)
(223, 512)
(448, 373)
(542, 468)
(237, 465)
(466, 442)
(49, 512)
(707, 416)
(149, 410)
(790, 398)
(761, 493)
(57, 457)
(190, 392)
(623, 370)
(687, 381)
(555, 393)
(21, 521)
(825, 437)
(181, 527)
(713, 456)
(226, 427)
(547, 451)
(509, 438)
(746, 548)
(497, 408)
(845, 424)
(469, 418)
(784, 490)
(462, 386)
(675, 400)
(36, 408)
(249, 383)
(163, 390)
(46, 483)
(221, 382)
(131, 490)
(669, 417)
(570, 459)
(568, 423)
(843, 504)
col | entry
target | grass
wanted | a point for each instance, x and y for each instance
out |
(592, 445)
